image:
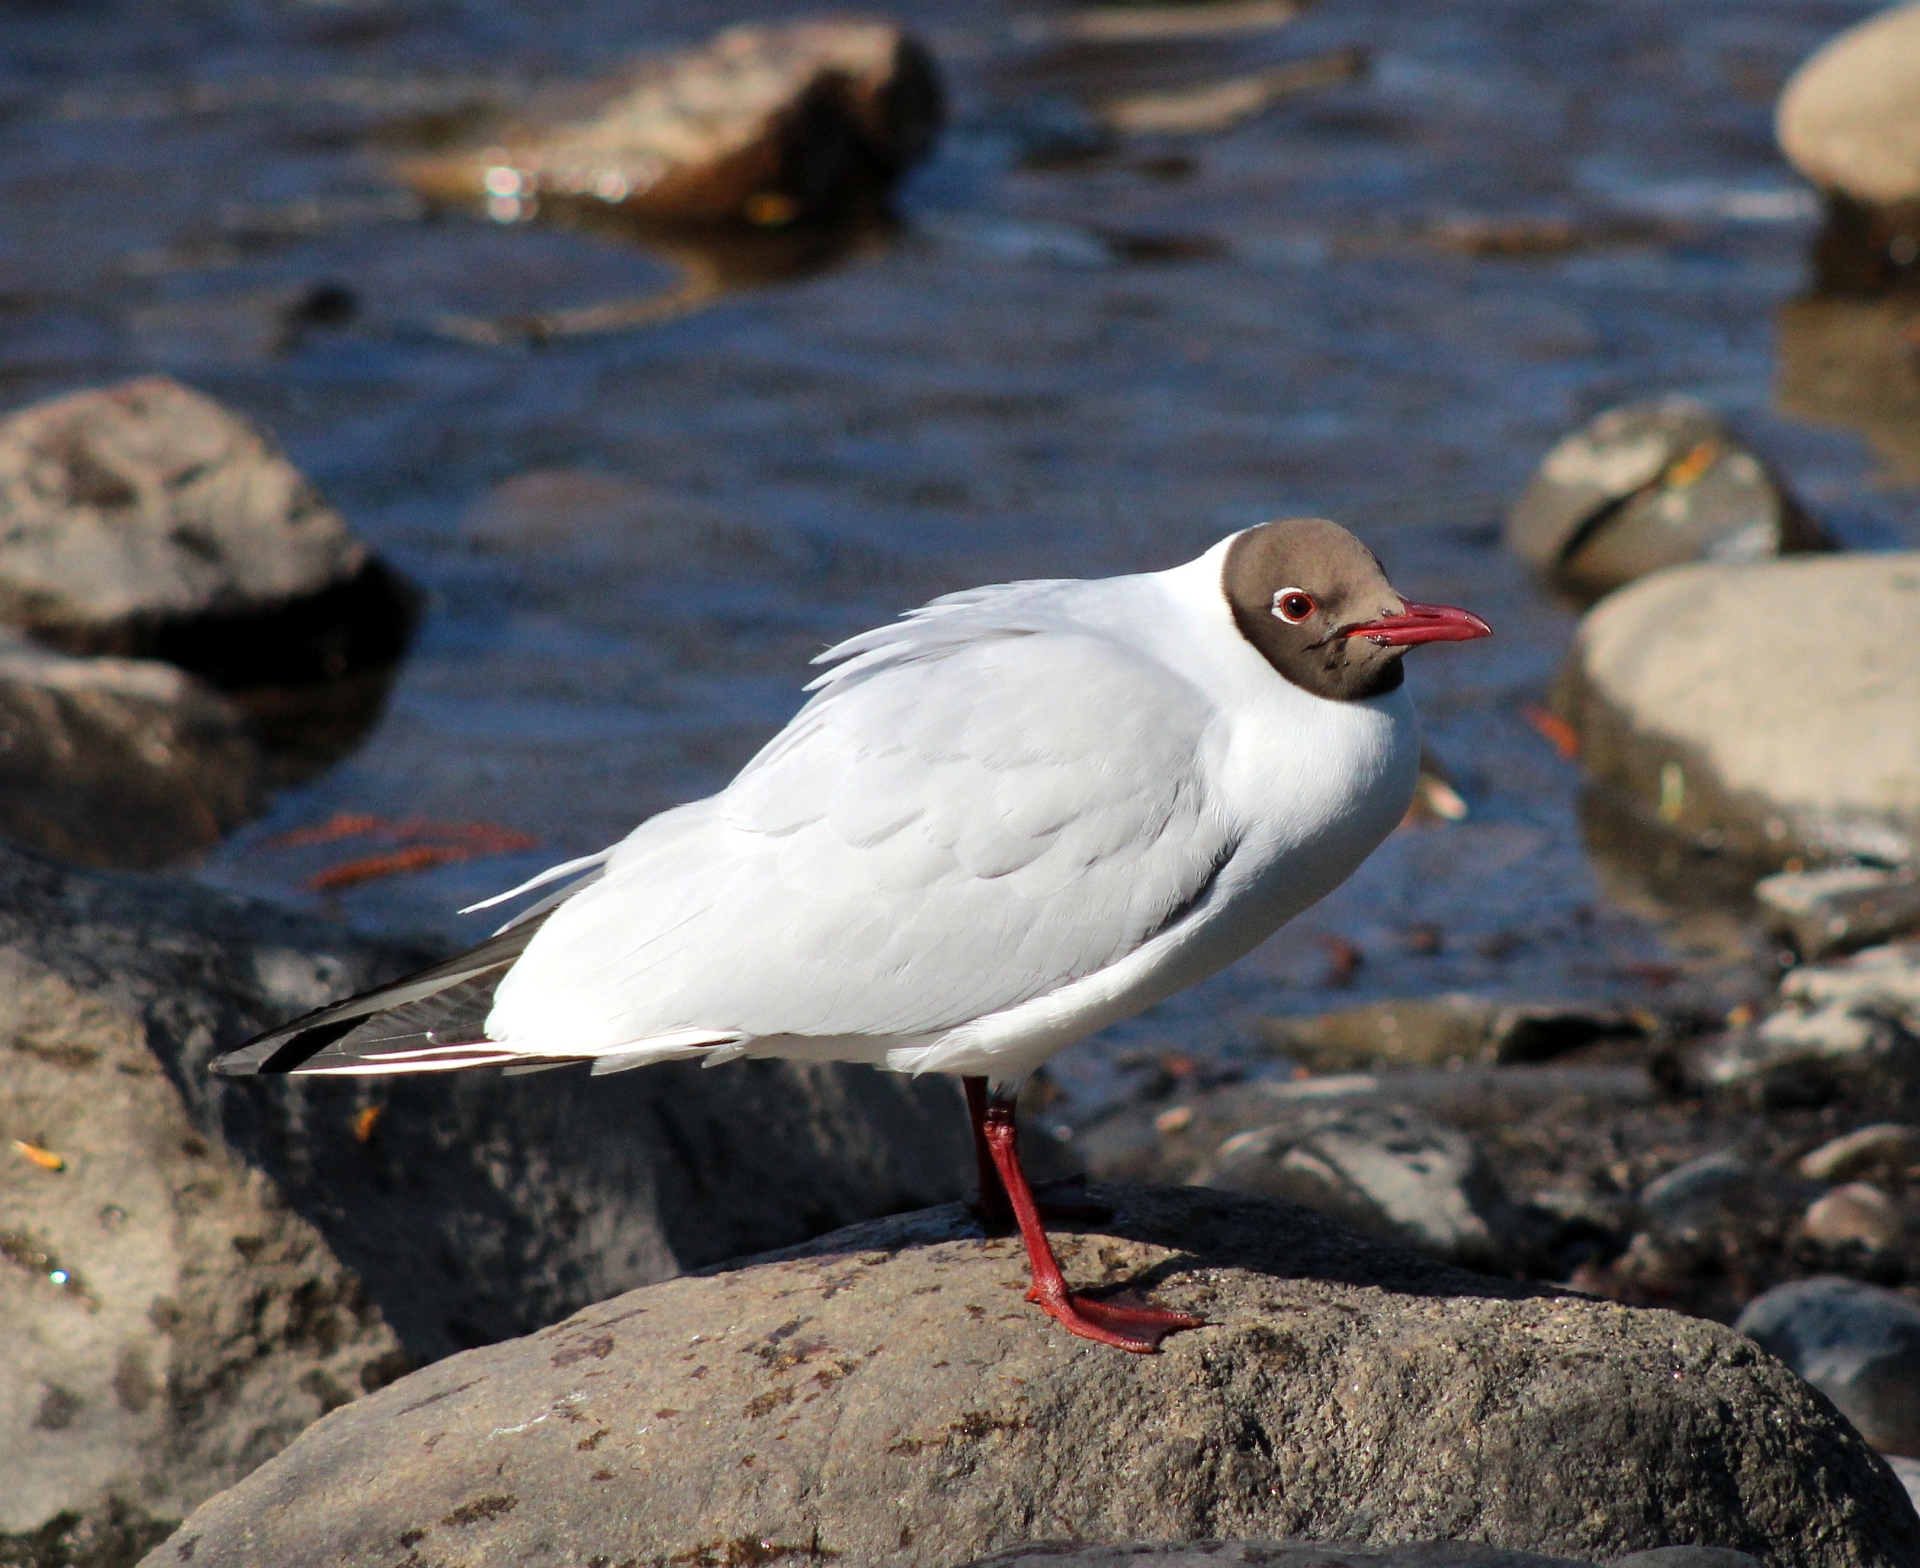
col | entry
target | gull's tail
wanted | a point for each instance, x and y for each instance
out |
(430, 1021)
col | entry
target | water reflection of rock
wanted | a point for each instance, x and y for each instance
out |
(1855, 362)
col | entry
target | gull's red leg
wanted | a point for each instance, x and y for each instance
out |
(1139, 1329)
(995, 1213)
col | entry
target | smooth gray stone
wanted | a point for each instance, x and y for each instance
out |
(1858, 1344)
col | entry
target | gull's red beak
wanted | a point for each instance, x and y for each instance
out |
(1418, 623)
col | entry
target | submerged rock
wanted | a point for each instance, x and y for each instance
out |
(128, 510)
(1858, 1344)
(764, 125)
(1652, 485)
(886, 1395)
(1742, 707)
(117, 762)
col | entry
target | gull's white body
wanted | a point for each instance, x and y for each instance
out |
(1000, 824)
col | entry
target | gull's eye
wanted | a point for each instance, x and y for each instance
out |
(1293, 605)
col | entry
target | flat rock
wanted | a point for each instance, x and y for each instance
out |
(1651, 485)
(765, 125)
(1858, 1344)
(887, 1396)
(117, 762)
(1802, 742)
(129, 509)
(1849, 118)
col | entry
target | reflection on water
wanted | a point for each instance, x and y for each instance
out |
(1379, 301)
(1855, 363)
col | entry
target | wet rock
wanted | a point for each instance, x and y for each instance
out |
(167, 1322)
(764, 125)
(1339, 1554)
(1433, 1031)
(1887, 978)
(1652, 485)
(886, 1395)
(1804, 1056)
(1840, 908)
(1854, 1214)
(117, 762)
(1386, 1170)
(1849, 118)
(1884, 1144)
(474, 1206)
(1858, 1344)
(1802, 742)
(127, 511)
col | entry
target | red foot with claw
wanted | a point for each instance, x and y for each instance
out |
(1124, 1326)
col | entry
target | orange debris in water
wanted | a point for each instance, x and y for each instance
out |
(1565, 738)
(365, 1122)
(46, 1159)
(428, 844)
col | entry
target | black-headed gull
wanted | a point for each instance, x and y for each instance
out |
(1010, 818)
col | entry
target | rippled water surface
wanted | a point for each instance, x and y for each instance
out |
(632, 541)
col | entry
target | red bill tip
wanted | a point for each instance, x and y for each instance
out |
(1418, 623)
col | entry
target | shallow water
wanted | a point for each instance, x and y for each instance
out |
(1075, 366)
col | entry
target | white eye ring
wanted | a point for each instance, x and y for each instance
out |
(1282, 608)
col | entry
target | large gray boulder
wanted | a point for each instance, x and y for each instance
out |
(239, 1255)
(1849, 118)
(1767, 709)
(117, 762)
(886, 1396)
(128, 509)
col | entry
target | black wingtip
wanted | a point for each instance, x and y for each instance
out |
(277, 1051)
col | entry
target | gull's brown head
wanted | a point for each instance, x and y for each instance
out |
(1317, 605)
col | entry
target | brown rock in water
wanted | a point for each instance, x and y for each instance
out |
(129, 510)
(886, 1395)
(117, 762)
(766, 125)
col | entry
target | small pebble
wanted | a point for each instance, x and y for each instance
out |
(1882, 1144)
(1856, 1212)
